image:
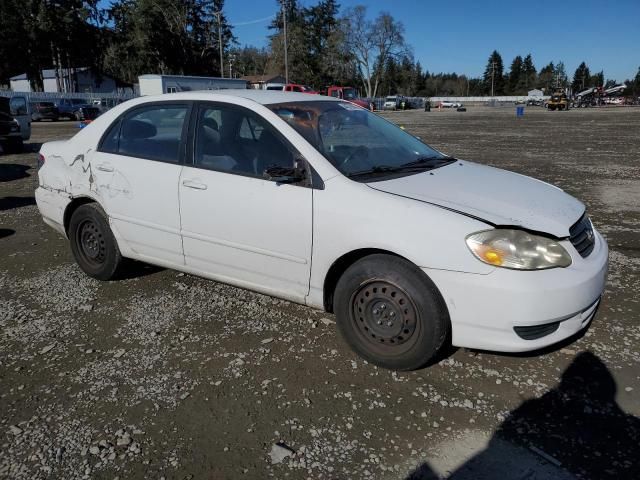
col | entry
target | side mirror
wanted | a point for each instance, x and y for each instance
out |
(284, 175)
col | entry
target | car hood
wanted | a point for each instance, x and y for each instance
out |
(493, 195)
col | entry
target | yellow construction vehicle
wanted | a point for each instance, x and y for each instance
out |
(558, 100)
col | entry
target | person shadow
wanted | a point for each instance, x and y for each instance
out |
(575, 430)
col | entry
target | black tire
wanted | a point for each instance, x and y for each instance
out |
(373, 294)
(92, 243)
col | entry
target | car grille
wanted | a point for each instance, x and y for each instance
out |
(536, 331)
(582, 237)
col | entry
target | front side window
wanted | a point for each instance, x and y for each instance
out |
(236, 140)
(153, 132)
(361, 144)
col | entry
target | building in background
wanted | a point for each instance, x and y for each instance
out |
(72, 80)
(159, 84)
(264, 82)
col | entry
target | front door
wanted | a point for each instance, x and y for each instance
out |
(135, 173)
(237, 225)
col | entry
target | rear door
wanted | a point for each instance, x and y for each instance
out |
(20, 111)
(136, 172)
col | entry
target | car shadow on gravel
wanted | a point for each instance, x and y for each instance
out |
(13, 171)
(6, 232)
(575, 429)
(32, 147)
(9, 203)
(134, 269)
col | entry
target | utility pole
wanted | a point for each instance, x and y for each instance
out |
(286, 60)
(218, 16)
(493, 73)
(231, 61)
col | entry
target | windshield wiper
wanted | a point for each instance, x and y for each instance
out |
(373, 171)
(427, 162)
(421, 164)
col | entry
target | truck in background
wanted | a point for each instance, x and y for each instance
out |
(349, 94)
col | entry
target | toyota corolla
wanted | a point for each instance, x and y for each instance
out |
(320, 202)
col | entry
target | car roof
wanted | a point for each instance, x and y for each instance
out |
(264, 97)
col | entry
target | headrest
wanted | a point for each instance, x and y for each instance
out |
(211, 123)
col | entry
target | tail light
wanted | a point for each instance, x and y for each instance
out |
(40, 161)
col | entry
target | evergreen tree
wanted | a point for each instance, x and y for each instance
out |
(560, 76)
(546, 78)
(581, 78)
(528, 73)
(493, 77)
(515, 76)
(597, 80)
(168, 37)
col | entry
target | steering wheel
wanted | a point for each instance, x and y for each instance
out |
(359, 150)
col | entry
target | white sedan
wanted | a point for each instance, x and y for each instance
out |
(450, 104)
(320, 202)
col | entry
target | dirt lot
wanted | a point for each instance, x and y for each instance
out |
(165, 375)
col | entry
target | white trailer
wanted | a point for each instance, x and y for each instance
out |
(159, 84)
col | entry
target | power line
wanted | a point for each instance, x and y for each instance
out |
(252, 22)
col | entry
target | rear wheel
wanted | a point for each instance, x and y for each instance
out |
(390, 312)
(92, 243)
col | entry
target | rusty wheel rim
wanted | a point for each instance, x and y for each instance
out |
(385, 317)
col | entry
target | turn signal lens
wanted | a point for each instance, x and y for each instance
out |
(517, 249)
(493, 257)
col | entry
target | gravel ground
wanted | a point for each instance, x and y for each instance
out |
(166, 375)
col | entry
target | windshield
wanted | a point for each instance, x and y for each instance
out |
(350, 93)
(77, 101)
(361, 144)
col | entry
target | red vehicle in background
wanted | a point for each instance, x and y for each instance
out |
(349, 94)
(294, 87)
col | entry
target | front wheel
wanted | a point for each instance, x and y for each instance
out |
(391, 313)
(92, 243)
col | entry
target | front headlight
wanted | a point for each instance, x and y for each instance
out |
(517, 249)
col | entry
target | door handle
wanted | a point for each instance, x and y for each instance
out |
(104, 168)
(194, 185)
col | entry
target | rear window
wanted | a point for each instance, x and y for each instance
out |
(153, 132)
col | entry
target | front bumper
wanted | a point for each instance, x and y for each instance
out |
(485, 309)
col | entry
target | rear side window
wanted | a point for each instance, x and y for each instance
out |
(154, 133)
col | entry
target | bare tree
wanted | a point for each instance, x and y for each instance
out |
(372, 43)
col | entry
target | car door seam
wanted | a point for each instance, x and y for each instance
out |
(241, 246)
